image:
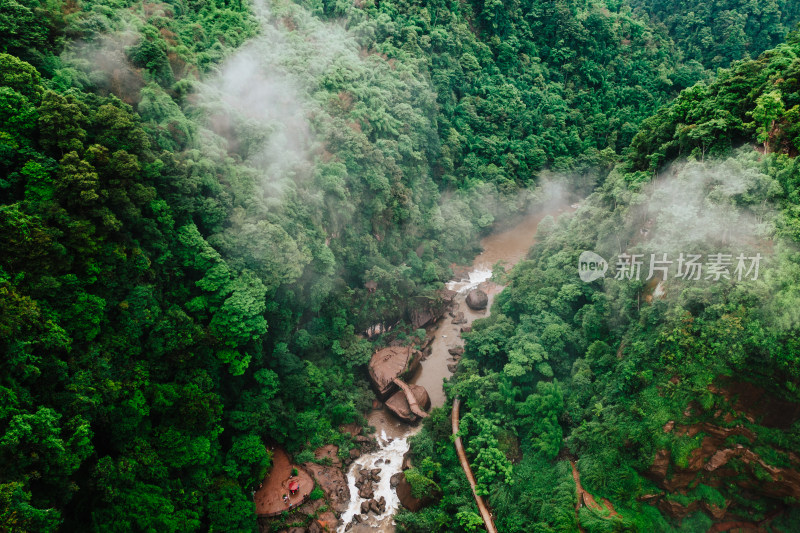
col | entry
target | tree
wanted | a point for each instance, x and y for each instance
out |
(769, 109)
(79, 184)
(469, 521)
(240, 320)
(17, 514)
(62, 120)
(539, 415)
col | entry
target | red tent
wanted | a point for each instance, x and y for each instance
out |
(293, 486)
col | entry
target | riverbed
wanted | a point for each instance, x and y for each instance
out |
(510, 246)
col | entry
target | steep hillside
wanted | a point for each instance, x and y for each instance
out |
(719, 32)
(675, 396)
(205, 204)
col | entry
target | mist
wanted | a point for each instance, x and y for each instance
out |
(706, 204)
(103, 63)
(699, 208)
(723, 206)
(265, 100)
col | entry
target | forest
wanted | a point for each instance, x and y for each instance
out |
(205, 204)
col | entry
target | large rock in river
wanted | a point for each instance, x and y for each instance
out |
(389, 363)
(398, 403)
(477, 300)
(408, 500)
(423, 317)
(426, 312)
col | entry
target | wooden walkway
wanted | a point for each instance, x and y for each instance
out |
(412, 400)
(462, 457)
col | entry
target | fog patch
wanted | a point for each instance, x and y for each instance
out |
(103, 64)
(262, 99)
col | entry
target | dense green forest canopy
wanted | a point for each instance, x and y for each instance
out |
(719, 32)
(194, 193)
(641, 383)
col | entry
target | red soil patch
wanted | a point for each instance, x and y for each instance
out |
(269, 497)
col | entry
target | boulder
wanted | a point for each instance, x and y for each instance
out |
(364, 507)
(390, 363)
(395, 479)
(466, 329)
(333, 483)
(459, 318)
(477, 300)
(457, 351)
(398, 404)
(375, 507)
(355, 453)
(407, 499)
(447, 295)
(425, 314)
(366, 491)
(406, 464)
(422, 317)
(427, 342)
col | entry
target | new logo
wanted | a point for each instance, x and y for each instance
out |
(591, 266)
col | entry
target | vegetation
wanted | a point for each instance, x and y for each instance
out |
(718, 33)
(194, 196)
(633, 385)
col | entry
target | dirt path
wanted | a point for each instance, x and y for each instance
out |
(584, 498)
(269, 497)
(412, 401)
(485, 514)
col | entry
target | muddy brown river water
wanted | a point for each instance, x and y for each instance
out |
(511, 246)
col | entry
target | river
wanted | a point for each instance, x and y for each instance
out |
(510, 245)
